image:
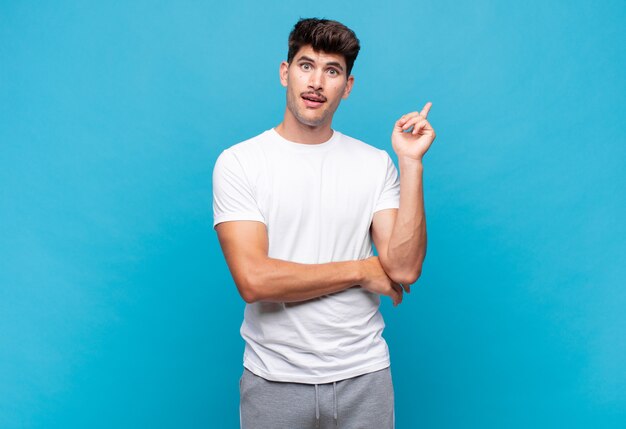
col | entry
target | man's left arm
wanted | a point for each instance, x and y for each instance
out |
(400, 234)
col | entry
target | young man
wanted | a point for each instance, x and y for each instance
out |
(296, 209)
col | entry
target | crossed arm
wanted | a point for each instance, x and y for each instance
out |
(261, 278)
(398, 234)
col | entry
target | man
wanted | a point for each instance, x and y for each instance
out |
(296, 209)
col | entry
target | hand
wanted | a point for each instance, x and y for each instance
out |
(377, 281)
(415, 143)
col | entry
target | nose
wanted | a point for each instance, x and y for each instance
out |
(316, 80)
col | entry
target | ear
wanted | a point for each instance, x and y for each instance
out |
(283, 71)
(348, 87)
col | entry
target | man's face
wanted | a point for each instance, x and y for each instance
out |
(316, 82)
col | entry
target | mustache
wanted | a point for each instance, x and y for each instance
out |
(315, 94)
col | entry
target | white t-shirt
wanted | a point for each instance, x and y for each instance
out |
(317, 202)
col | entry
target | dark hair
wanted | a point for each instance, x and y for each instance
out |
(324, 35)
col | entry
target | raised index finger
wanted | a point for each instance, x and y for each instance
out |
(426, 109)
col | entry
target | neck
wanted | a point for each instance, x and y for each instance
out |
(295, 131)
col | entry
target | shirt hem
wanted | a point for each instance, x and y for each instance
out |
(387, 205)
(289, 378)
(237, 216)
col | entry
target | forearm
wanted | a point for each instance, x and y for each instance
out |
(277, 280)
(407, 244)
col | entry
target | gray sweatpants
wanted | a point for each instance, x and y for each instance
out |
(363, 402)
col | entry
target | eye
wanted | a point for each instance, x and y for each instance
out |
(305, 66)
(334, 72)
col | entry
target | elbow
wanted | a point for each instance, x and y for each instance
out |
(415, 276)
(408, 277)
(246, 287)
(247, 295)
(403, 271)
(252, 282)
(248, 291)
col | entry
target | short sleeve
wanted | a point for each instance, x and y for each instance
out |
(390, 194)
(233, 197)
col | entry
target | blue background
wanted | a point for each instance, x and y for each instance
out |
(117, 309)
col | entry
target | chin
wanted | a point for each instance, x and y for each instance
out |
(309, 121)
(312, 123)
(301, 115)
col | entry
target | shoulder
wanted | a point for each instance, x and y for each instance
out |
(244, 153)
(240, 159)
(247, 147)
(361, 148)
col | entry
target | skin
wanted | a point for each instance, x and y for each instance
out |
(324, 74)
(398, 234)
(401, 244)
(312, 72)
(414, 144)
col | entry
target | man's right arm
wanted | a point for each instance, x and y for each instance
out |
(261, 278)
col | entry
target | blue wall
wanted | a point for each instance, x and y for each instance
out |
(117, 309)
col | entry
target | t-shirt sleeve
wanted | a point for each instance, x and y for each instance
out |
(233, 196)
(390, 195)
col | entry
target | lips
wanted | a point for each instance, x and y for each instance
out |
(313, 101)
(313, 97)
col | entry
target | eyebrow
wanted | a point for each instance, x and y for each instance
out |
(331, 63)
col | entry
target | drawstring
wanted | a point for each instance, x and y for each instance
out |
(317, 408)
(317, 405)
(335, 393)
